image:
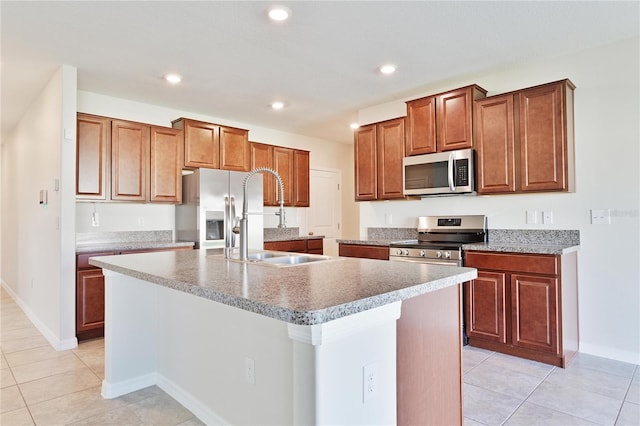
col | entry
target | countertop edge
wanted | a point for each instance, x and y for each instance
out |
(131, 245)
(305, 237)
(522, 248)
(298, 317)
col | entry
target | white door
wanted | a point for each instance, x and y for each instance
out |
(325, 207)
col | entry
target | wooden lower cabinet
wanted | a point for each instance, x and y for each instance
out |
(524, 305)
(90, 293)
(312, 246)
(364, 251)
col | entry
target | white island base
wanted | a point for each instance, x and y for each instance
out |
(230, 366)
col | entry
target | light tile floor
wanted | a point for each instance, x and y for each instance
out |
(504, 390)
(44, 387)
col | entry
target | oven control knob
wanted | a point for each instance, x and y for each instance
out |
(399, 252)
(422, 253)
(406, 252)
(447, 255)
(439, 254)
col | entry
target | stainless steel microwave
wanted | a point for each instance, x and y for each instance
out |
(442, 173)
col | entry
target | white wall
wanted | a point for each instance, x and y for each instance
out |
(38, 241)
(324, 155)
(607, 109)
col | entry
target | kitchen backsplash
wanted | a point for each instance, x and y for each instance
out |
(392, 234)
(125, 236)
(535, 236)
(275, 233)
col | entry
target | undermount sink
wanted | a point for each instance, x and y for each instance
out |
(278, 258)
(294, 259)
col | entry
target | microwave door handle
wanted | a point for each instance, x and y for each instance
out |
(452, 183)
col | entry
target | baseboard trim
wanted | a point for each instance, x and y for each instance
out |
(114, 390)
(200, 410)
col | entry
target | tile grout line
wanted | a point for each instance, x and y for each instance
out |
(624, 398)
(529, 394)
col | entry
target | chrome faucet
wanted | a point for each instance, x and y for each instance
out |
(244, 222)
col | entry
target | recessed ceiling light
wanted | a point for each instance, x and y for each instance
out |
(354, 125)
(173, 78)
(277, 105)
(388, 69)
(279, 13)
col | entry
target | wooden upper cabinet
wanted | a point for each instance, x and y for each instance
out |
(454, 113)
(366, 172)
(421, 126)
(234, 149)
(283, 165)
(525, 140)
(390, 152)
(495, 145)
(92, 157)
(129, 159)
(262, 156)
(213, 146)
(546, 137)
(301, 196)
(442, 122)
(166, 165)
(201, 143)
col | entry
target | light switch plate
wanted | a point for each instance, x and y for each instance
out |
(532, 217)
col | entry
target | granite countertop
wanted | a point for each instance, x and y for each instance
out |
(307, 294)
(522, 248)
(129, 245)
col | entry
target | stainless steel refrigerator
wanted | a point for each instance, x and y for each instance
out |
(211, 202)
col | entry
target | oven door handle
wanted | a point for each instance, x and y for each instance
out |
(450, 164)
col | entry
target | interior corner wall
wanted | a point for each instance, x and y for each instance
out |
(607, 150)
(32, 263)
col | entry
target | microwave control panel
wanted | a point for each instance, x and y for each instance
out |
(462, 172)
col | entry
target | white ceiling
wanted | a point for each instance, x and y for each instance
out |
(322, 62)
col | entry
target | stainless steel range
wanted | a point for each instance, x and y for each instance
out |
(440, 239)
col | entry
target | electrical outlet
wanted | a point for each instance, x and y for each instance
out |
(388, 219)
(369, 381)
(601, 217)
(141, 221)
(547, 217)
(532, 217)
(250, 370)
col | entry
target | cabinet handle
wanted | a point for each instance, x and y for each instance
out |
(452, 183)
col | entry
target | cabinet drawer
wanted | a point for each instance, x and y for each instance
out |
(531, 263)
(314, 244)
(364, 251)
(83, 259)
(298, 246)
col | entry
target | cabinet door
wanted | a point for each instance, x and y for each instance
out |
(542, 139)
(201, 144)
(166, 165)
(301, 178)
(283, 164)
(485, 307)
(534, 313)
(92, 157)
(234, 149)
(454, 113)
(421, 126)
(89, 300)
(365, 163)
(262, 156)
(129, 159)
(495, 145)
(390, 152)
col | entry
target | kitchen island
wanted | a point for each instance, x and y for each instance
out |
(339, 341)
